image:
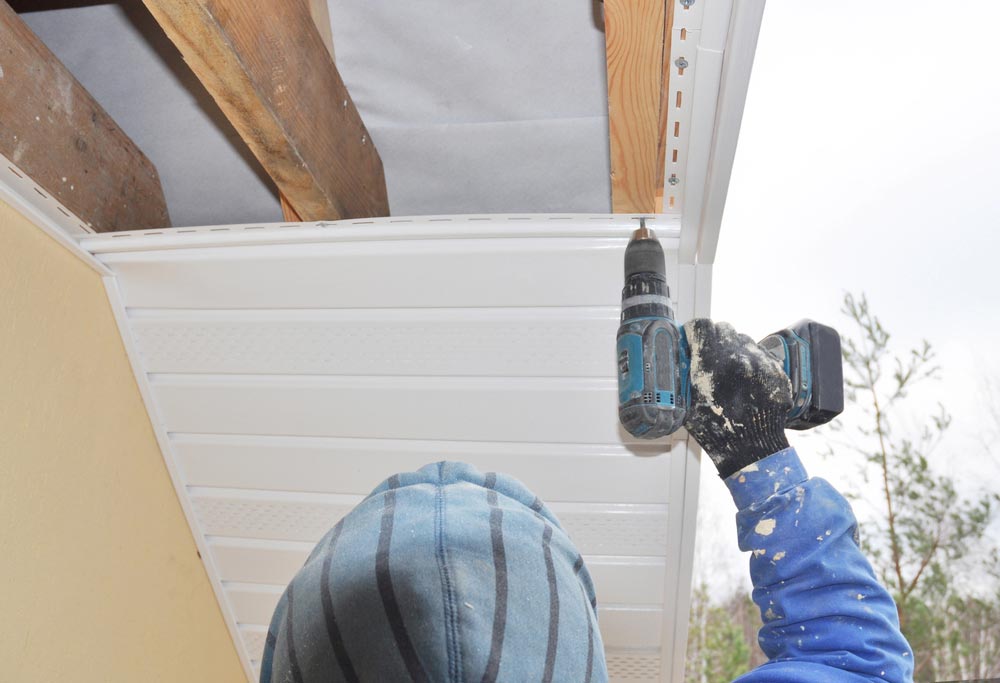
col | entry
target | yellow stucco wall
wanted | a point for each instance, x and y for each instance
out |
(99, 575)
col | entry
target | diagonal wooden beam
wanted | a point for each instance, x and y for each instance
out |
(268, 69)
(634, 33)
(319, 10)
(56, 132)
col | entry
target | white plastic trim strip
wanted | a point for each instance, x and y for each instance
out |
(698, 27)
(121, 318)
(683, 50)
(384, 229)
(22, 193)
(715, 23)
(736, 69)
(705, 101)
(692, 15)
(727, 42)
(685, 479)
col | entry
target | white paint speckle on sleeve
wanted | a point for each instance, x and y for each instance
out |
(765, 527)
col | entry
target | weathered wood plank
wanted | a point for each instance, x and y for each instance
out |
(320, 12)
(634, 31)
(55, 131)
(665, 97)
(287, 212)
(271, 74)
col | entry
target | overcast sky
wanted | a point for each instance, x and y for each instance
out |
(869, 161)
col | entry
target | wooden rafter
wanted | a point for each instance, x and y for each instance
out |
(319, 10)
(269, 70)
(56, 132)
(637, 34)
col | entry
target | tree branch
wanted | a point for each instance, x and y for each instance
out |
(923, 564)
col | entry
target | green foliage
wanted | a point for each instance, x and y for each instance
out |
(718, 650)
(972, 648)
(730, 653)
(924, 533)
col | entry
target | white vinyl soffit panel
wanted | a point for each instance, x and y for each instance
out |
(265, 352)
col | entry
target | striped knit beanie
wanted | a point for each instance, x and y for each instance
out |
(444, 574)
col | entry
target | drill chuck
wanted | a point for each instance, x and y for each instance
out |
(644, 255)
(646, 292)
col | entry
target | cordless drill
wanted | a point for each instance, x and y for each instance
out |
(654, 383)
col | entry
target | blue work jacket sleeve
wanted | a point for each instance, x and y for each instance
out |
(825, 616)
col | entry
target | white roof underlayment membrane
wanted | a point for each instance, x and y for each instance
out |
(474, 107)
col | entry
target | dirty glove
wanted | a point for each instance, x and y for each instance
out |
(740, 397)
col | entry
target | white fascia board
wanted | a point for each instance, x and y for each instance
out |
(686, 480)
(736, 70)
(724, 59)
(703, 110)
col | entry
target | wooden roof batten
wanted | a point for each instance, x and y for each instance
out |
(678, 74)
(637, 36)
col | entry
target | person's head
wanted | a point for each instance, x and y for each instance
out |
(444, 574)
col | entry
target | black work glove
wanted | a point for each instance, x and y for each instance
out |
(740, 397)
